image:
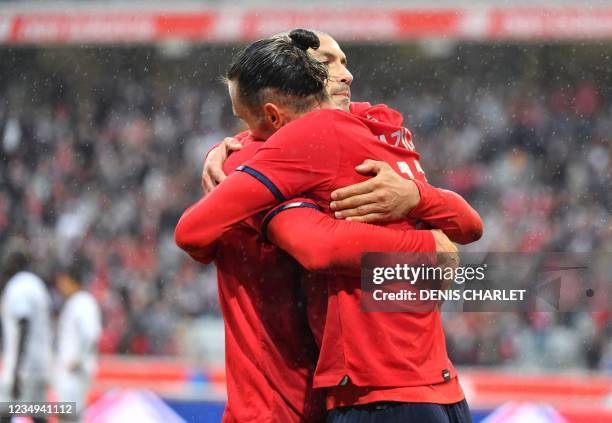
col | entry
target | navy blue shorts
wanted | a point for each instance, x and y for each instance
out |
(402, 412)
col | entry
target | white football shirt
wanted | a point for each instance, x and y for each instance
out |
(26, 297)
(78, 330)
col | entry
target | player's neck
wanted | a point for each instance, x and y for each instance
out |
(71, 293)
(327, 104)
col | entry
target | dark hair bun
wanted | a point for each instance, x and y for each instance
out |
(283, 65)
(304, 39)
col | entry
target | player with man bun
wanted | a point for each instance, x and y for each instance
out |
(313, 150)
(270, 361)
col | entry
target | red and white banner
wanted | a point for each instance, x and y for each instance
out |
(551, 24)
(88, 26)
(113, 27)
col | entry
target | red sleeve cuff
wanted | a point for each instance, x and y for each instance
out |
(425, 192)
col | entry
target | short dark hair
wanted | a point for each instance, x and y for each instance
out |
(16, 257)
(280, 65)
(76, 270)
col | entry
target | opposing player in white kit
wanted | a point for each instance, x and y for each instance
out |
(26, 330)
(78, 331)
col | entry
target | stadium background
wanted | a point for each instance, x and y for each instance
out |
(107, 110)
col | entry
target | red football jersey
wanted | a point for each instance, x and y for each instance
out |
(313, 156)
(269, 361)
(238, 198)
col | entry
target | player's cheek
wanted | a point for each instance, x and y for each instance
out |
(335, 72)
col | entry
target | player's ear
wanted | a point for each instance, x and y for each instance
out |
(272, 115)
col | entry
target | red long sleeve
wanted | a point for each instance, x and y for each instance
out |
(237, 198)
(321, 243)
(449, 212)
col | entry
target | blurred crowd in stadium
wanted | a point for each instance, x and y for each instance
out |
(107, 175)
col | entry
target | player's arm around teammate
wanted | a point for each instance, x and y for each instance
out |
(389, 197)
(197, 230)
(321, 243)
(386, 197)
